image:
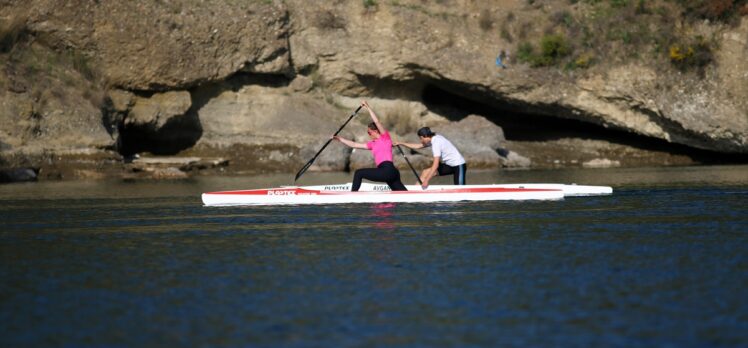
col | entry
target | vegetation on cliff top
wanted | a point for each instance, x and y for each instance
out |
(615, 31)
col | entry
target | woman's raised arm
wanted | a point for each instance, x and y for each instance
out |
(374, 117)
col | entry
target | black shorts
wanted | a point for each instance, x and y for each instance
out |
(458, 172)
(384, 172)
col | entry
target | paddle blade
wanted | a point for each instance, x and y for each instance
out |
(303, 169)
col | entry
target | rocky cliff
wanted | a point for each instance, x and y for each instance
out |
(86, 85)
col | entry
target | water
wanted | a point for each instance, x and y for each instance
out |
(662, 262)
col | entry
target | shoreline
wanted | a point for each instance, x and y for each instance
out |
(617, 177)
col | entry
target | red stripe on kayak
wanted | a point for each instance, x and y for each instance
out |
(297, 191)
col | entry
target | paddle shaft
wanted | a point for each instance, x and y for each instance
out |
(410, 165)
(309, 164)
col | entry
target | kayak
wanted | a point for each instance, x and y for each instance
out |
(307, 195)
(379, 193)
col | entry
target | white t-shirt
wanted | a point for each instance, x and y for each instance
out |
(441, 147)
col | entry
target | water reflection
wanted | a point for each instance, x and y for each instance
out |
(382, 213)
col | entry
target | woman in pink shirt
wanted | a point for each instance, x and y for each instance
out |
(381, 147)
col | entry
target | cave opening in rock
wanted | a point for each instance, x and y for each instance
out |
(177, 134)
(519, 125)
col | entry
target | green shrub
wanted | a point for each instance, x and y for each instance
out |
(694, 55)
(554, 46)
(583, 61)
(525, 52)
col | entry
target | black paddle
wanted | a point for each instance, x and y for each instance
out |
(410, 165)
(309, 164)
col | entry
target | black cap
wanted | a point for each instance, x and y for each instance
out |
(425, 132)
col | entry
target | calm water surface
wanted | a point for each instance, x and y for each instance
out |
(662, 262)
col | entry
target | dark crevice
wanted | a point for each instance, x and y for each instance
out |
(390, 89)
(179, 133)
(112, 122)
(242, 79)
(517, 125)
(520, 125)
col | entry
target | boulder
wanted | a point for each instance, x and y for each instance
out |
(476, 138)
(511, 159)
(301, 84)
(158, 109)
(601, 163)
(121, 100)
(18, 174)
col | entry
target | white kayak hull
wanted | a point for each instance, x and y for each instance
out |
(336, 195)
(572, 190)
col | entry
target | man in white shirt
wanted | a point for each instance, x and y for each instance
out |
(447, 160)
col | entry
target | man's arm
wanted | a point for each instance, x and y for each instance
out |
(413, 146)
(429, 173)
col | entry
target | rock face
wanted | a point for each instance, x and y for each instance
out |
(176, 45)
(33, 127)
(50, 120)
(266, 83)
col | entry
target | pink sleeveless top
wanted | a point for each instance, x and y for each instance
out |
(381, 148)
